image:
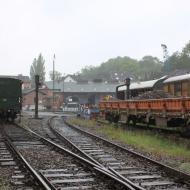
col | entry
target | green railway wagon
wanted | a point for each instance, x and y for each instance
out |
(10, 98)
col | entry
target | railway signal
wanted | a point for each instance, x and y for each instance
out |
(36, 98)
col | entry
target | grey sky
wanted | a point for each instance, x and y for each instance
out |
(88, 32)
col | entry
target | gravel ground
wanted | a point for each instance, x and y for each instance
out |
(119, 155)
(41, 158)
(7, 182)
(177, 163)
(46, 158)
(40, 126)
(5, 176)
(168, 160)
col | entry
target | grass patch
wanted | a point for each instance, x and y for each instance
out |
(185, 167)
(3, 185)
(82, 122)
(147, 141)
(143, 140)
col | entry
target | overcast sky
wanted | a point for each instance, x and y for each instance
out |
(88, 32)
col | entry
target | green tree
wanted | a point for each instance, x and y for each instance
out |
(119, 67)
(180, 61)
(149, 68)
(57, 75)
(174, 61)
(37, 68)
(185, 57)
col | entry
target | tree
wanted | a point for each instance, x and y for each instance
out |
(57, 75)
(149, 68)
(180, 61)
(185, 57)
(37, 68)
(174, 61)
(114, 69)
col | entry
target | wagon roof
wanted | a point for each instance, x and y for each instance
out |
(142, 85)
(19, 77)
(177, 78)
(9, 77)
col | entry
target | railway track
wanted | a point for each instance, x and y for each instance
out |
(57, 167)
(15, 172)
(138, 171)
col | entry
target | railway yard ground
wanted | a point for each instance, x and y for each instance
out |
(51, 162)
(58, 167)
(171, 150)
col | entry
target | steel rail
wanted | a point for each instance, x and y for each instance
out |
(137, 187)
(73, 145)
(126, 180)
(98, 168)
(56, 132)
(128, 184)
(32, 171)
(47, 181)
(182, 175)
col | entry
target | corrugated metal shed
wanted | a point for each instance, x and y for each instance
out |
(82, 88)
(177, 78)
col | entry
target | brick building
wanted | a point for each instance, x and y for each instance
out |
(45, 98)
(28, 98)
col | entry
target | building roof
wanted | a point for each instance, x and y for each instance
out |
(82, 88)
(28, 91)
(142, 85)
(177, 78)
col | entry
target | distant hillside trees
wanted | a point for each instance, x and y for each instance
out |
(37, 68)
(148, 68)
(121, 67)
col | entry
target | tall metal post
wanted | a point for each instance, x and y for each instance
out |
(36, 98)
(165, 58)
(53, 80)
(127, 82)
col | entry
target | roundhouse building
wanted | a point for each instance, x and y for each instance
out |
(85, 91)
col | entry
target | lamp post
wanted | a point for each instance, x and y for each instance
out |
(53, 80)
(127, 82)
(165, 58)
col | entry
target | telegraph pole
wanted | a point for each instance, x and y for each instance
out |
(53, 79)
